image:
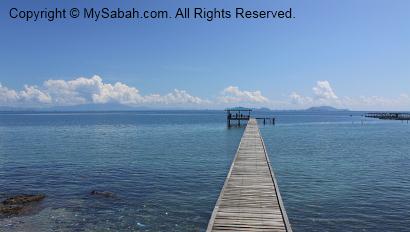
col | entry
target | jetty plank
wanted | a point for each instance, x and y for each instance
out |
(250, 199)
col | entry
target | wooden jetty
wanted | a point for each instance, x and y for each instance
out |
(250, 199)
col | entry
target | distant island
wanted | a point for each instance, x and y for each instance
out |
(312, 109)
(325, 109)
(263, 109)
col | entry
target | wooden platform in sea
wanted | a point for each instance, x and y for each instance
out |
(403, 116)
(250, 199)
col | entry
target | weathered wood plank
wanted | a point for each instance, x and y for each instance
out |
(250, 199)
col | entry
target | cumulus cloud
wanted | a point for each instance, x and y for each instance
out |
(181, 96)
(323, 94)
(233, 94)
(323, 90)
(94, 90)
(175, 97)
(33, 94)
(30, 94)
(299, 99)
(7, 96)
(91, 90)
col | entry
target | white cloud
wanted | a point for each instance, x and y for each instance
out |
(175, 97)
(181, 96)
(29, 95)
(95, 91)
(323, 94)
(299, 99)
(33, 94)
(323, 90)
(91, 90)
(233, 94)
(7, 96)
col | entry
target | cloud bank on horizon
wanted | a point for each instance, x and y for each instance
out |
(93, 90)
(323, 94)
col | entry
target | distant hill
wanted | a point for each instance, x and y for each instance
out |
(325, 109)
(12, 109)
(263, 109)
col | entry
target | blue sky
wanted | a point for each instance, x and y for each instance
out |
(353, 54)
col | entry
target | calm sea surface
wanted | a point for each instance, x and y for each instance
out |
(166, 169)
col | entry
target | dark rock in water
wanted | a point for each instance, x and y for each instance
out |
(14, 210)
(11, 209)
(23, 199)
(102, 193)
(19, 204)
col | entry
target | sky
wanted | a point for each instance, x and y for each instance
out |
(348, 54)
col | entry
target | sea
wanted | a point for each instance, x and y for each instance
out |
(164, 170)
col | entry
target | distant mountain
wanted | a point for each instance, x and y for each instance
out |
(9, 108)
(325, 109)
(264, 109)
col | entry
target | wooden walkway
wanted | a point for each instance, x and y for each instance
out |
(250, 198)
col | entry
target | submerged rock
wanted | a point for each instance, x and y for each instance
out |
(19, 204)
(23, 199)
(11, 209)
(102, 193)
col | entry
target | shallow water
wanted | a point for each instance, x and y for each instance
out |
(343, 177)
(166, 169)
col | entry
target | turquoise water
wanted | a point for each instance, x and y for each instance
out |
(343, 176)
(166, 169)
